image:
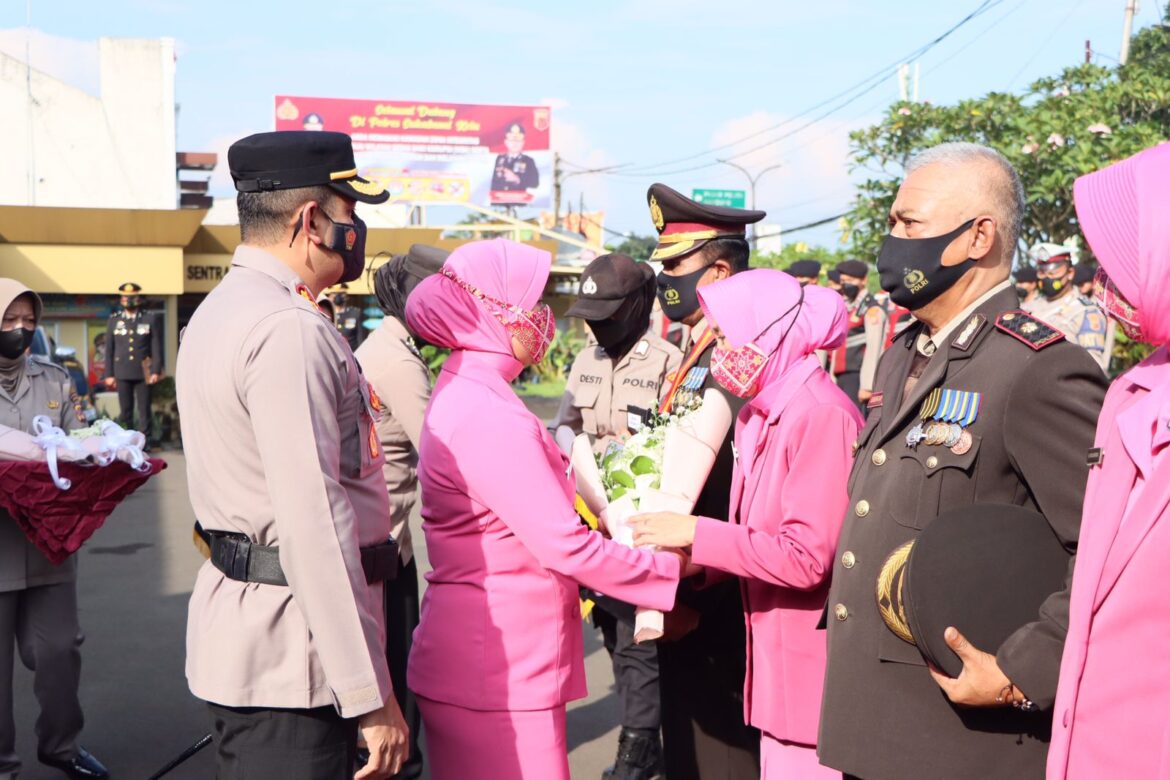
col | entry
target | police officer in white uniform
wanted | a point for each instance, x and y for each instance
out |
(1060, 304)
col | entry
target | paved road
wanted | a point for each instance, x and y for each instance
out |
(136, 575)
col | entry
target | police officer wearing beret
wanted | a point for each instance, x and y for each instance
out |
(613, 384)
(514, 171)
(855, 362)
(38, 600)
(702, 657)
(1026, 283)
(1061, 305)
(286, 629)
(134, 357)
(975, 402)
(805, 271)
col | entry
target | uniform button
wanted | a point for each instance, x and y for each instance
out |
(862, 508)
(848, 559)
(840, 612)
(931, 462)
(856, 446)
(879, 457)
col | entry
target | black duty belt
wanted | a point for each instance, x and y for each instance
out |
(240, 559)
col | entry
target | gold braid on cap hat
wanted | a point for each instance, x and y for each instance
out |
(889, 593)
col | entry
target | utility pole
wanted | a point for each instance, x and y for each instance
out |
(752, 183)
(1088, 52)
(1127, 32)
(556, 189)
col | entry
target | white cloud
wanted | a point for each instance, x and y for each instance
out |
(814, 165)
(574, 146)
(72, 61)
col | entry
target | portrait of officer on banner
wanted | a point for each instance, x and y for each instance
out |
(515, 173)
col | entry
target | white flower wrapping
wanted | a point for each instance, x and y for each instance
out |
(660, 469)
(100, 444)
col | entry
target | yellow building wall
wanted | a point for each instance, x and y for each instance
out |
(60, 268)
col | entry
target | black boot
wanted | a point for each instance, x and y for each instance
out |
(80, 767)
(639, 756)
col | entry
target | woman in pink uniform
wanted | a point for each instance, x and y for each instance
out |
(1110, 718)
(793, 443)
(498, 651)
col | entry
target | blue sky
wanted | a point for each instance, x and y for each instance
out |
(644, 82)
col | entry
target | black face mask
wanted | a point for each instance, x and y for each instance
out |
(132, 303)
(1051, 288)
(1022, 292)
(678, 295)
(850, 291)
(911, 269)
(347, 240)
(13, 343)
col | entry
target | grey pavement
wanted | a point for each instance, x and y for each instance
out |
(135, 579)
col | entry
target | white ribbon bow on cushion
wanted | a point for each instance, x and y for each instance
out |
(57, 445)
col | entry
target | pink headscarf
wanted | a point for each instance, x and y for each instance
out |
(1124, 211)
(444, 314)
(744, 305)
(747, 303)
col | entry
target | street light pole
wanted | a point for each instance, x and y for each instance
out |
(752, 187)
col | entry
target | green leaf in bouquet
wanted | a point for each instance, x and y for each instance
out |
(643, 464)
(623, 478)
(617, 493)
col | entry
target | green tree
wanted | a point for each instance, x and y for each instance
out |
(799, 251)
(1060, 128)
(637, 247)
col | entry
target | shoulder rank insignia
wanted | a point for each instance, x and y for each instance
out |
(1026, 328)
(967, 335)
(303, 291)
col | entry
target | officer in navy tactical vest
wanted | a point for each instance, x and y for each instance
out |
(134, 357)
(702, 658)
(855, 362)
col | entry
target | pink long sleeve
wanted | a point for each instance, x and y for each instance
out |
(794, 544)
(518, 481)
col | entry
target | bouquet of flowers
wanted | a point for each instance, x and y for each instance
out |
(661, 468)
(59, 507)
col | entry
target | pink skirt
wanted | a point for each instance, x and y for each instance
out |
(781, 760)
(465, 744)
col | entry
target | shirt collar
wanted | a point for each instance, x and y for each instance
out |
(266, 263)
(928, 344)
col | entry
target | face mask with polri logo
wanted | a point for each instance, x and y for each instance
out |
(912, 271)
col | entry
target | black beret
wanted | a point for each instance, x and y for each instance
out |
(684, 225)
(805, 268)
(1084, 273)
(984, 569)
(834, 276)
(292, 159)
(1026, 273)
(607, 283)
(853, 268)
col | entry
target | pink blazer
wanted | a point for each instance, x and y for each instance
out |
(1112, 712)
(781, 541)
(501, 624)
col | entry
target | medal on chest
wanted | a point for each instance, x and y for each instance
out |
(944, 418)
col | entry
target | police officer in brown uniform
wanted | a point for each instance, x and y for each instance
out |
(614, 383)
(702, 658)
(855, 362)
(38, 600)
(134, 357)
(395, 368)
(974, 403)
(286, 631)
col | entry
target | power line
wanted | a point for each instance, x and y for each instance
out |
(859, 88)
(806, 226)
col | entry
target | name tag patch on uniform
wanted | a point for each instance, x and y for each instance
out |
(946, 414)
(1096, 457)
(636, 418)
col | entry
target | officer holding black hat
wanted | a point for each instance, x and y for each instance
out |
(805, 271)
(976, 402)
(286, 631)
(855, 362)
(702, 656)
(134, 357)
(614, 383)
